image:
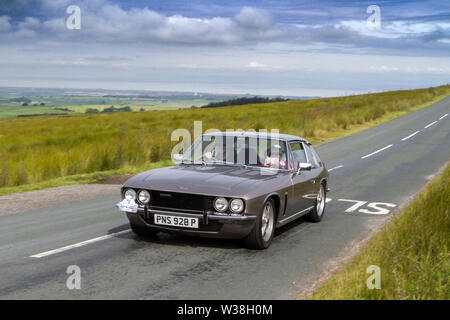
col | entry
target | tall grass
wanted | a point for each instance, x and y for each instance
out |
(42, 148)
(412, 253)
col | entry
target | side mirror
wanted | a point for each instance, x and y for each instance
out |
(304, 166)
(177, 157)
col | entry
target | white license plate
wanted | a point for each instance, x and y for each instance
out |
(184, 222)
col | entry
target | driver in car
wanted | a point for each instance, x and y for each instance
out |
(215, 153)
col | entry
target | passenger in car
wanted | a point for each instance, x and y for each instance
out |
(275, 158)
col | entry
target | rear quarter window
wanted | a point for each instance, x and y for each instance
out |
(316, 157)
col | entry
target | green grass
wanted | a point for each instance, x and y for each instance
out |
(86, 178)
(39, 149)
(412, 253)
(9, 108)
(73, 100)
(14, 111)
(82, 109)
(7, 112)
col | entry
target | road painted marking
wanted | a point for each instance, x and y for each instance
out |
(443, 116)
(379, 150)
(410, 136)
(335, 168)
(356, 206)
(430, 124)
(77, 245)
(377, 207)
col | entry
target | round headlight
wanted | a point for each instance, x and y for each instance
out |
(236, 205)
(130, 194)
(221, 204)
(144, 196)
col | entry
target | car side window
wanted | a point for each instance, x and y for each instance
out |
(311, 157)
(298, 153)
(316, 156)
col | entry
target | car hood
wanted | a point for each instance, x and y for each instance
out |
(207, 180)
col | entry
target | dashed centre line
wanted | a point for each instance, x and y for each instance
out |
(410, 136)
(443, 116)
(337, 167)
(77, 245)
(430, 124)
(379, 150)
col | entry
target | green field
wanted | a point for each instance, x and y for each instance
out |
(18, 111)
(412, 253)
(14, 111)
(11, 109)
(38, 149)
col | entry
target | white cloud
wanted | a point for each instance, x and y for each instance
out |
(383, 68)
(109, 22)
(29, 22)
(395, 29)
(256, 65)
(24, 29)
(252, 18)
(4, 23)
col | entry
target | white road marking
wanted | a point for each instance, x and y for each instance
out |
(77, 245)
(411, 135)
(356, 206)
(429, 125)
(335, 168)
(379, 150)
(376, 206)
(443, 116)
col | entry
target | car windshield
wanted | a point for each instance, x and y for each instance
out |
(238, 150)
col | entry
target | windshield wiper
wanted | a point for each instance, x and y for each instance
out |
(229, 163)
(202, 162)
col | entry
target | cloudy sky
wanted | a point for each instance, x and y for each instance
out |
(283, 47)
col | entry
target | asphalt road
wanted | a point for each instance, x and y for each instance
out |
(123, 266)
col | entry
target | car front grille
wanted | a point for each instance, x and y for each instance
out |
(181, 201)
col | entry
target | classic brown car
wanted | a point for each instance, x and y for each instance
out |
(230, 185)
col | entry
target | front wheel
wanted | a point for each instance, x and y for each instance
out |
(317, 212)
(262, 234)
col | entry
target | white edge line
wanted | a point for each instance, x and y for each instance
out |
(443, 116)
(410, 136)
(430, 124)
(77, 245)
(379, 150)
(335, 168)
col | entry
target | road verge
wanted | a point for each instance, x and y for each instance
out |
(410, 249)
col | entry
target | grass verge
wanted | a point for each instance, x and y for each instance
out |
(87, 178)
(412, 253)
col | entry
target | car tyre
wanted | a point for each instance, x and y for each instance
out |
(316, 214)
(143, 232)
(262, 233)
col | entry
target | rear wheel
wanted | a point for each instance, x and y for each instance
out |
(317, 213)
(142, 231)
(262, 234)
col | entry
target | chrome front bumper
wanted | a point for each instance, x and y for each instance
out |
(203, 217)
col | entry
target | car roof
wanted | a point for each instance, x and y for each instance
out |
(280, 136)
